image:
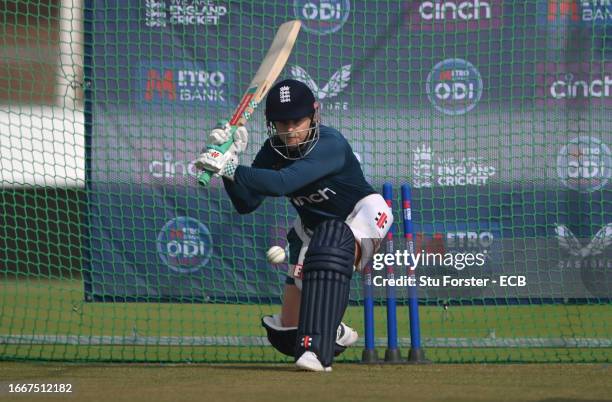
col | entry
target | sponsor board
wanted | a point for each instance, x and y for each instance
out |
(322, 17)
(162, 13)
(592, 257)
(455, 15)
(454, 86)
(184, 245)
(574, 84)
(584, 164)
(456, 237)
(561, 13)
(186, 84)
(326, 93)
(431, 170)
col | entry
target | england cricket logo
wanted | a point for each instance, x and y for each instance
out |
(155, 13)
(336, 84)
(423, 168)
(285, 95)
(183, 13)
(449, 171)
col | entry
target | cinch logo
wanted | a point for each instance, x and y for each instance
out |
(568, 88)
(322, 17)
(467, 10)
(319, 196)
(555, 13)
(574, 84)
(168, 168)
(454, 15)
(454, 86)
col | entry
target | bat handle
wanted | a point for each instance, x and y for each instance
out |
(204, 178)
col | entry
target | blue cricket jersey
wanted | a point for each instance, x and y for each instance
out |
(325, 184)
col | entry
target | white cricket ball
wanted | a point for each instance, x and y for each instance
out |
(276, 255)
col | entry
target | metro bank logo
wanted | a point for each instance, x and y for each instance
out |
(186, 84)
(164, 87)
(556, 13)
(455, 15)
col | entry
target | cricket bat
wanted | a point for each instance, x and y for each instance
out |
(268, 72)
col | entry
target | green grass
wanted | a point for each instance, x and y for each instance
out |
(43, 307)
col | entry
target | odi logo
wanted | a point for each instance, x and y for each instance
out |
(322, 17)
(584, 164)
(184, 244)
(454, 86)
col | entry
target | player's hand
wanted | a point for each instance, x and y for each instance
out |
(217, 163)
(212, 160)
(241, 140)
(220, 134)
(223, 133)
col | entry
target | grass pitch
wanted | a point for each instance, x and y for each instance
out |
(30, 307)
(348, 382)
(55, 309)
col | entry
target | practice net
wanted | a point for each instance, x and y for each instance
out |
(497, 113)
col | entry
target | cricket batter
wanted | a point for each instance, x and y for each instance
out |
(341, 219)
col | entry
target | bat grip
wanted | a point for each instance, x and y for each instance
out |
(205, 176)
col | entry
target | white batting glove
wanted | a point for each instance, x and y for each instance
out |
(222, 134)
(218, 163)
(241, 140)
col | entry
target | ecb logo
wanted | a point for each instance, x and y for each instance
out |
(454, 86)
(585, 164)
(322, 17)
(184, 245)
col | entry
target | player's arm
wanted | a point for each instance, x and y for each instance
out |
(326, 158)
(244, 200)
